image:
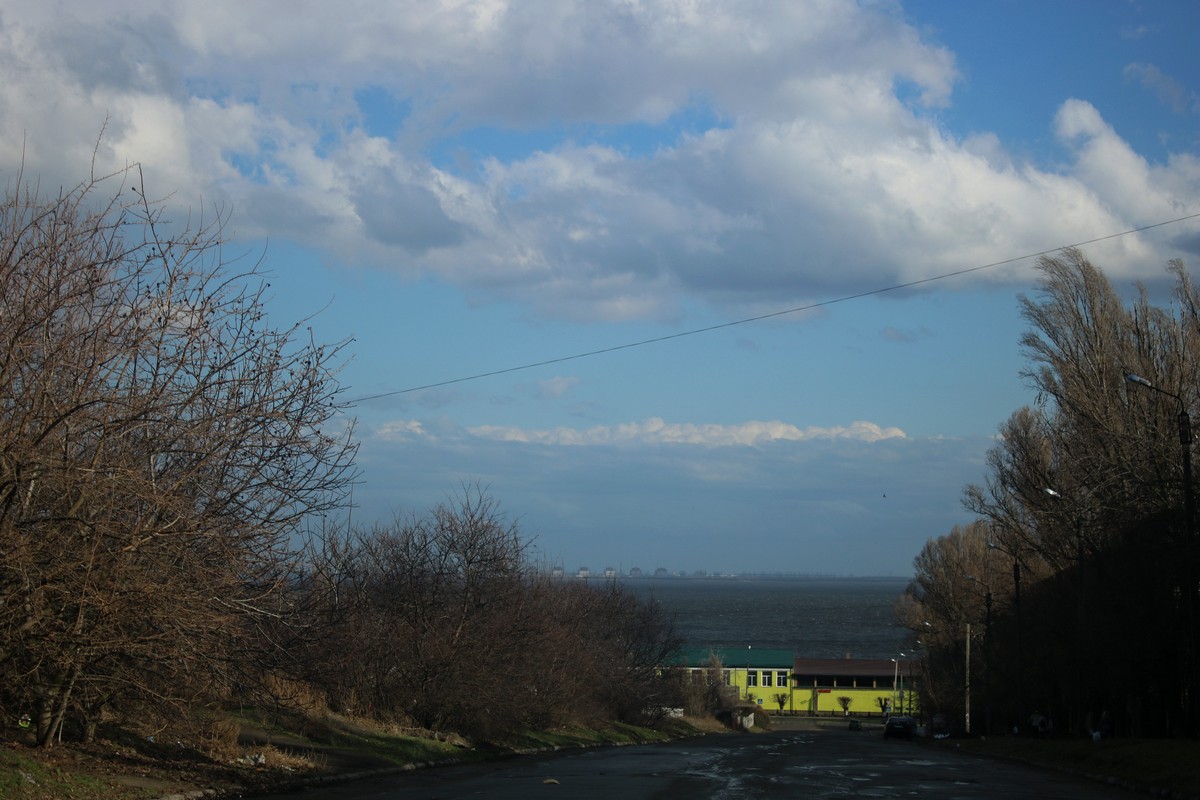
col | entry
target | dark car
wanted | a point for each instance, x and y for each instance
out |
(900, 728)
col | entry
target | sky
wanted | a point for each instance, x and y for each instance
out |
(725, 286)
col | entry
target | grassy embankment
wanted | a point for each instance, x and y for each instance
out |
(267, 755)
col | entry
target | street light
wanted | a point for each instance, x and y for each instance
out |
(748, 649)
(1077, 519)
(1016, 573)
(1185, 442)
(898, 677)
(895, 675)
(967, 706)
(987, 653)
(1080, 610)
(1189, 514)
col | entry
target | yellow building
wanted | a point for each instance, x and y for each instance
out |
(782, 684)
(762, 676)
(854, 686)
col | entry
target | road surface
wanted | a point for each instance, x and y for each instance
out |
(811, 762)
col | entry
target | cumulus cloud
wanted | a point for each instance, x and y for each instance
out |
(1120, 179)
(738, 154)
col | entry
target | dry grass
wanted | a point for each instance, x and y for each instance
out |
(243, 754)
(221, 737)
(704, 724)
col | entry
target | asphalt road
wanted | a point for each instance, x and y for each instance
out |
(808, 763)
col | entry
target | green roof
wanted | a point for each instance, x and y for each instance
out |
(736, 657)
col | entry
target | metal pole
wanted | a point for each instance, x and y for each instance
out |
(967, 712)
(1193, 638)
(1020, 644)
(1080, 629)
(895, 673)
(1189, 512)
(987, 666)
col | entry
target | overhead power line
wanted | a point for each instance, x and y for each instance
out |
(760, 317)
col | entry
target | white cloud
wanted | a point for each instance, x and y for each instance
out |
(556, 386)
(1119, 179)
(782, 165)
(403, 429)
(657, 431)
(1168, 90)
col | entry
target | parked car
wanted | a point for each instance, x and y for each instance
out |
(900, 727)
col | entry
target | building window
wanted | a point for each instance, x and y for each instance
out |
(752, 677)
(725, 676)
(766, 677)
(781, 678)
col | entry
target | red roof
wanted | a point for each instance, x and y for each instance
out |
(859, 667)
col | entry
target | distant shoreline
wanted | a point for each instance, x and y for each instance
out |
(756, 576)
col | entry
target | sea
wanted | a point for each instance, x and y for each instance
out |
(814, 617)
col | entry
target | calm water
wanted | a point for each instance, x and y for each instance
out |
(814, 617)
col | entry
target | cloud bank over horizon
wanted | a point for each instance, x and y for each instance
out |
(812, 491)
(654, 431)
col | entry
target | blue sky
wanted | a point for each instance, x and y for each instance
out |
(471, 187)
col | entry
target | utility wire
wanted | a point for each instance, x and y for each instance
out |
(760, 317)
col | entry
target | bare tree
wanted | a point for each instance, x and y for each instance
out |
(159, 443)
(1087, 496)
(440, 620)
(427, 619)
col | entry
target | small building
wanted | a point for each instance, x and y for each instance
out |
(760, 675)
(856, 686)
(781, 683)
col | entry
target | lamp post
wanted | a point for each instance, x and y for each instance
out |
(1080, 610)
(748, 648)
(898, 680)
(912, 687)
(1189, 515)
(1016, 573)
(895, 675)
(987, 650)
(967, 705)
(1185, 442)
